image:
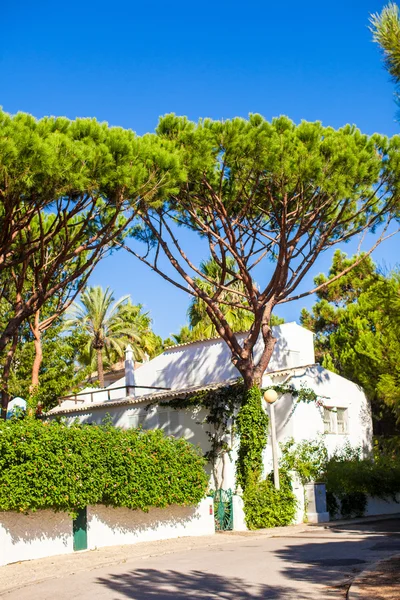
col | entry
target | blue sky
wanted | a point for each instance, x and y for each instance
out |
(128, 63)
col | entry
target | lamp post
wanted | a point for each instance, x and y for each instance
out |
(270, 396)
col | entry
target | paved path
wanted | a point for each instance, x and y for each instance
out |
(318, 563)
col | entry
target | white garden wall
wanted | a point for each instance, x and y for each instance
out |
(377, 506)
(45, 533)
(115, 526)
(35, 535)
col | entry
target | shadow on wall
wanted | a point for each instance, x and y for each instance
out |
(148, 584)
(42, 525)
(126, 521)
(196, 365)
(206, 362)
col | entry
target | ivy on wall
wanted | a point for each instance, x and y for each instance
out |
(53, 466)
(252, 427)
(231, 409)
(221, 405)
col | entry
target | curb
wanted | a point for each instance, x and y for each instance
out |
(357, 521)
(354, 592)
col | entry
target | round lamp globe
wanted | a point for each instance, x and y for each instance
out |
(270, 396)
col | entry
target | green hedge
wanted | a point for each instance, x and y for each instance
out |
(53, 466)
(349, 482)
(265, 506)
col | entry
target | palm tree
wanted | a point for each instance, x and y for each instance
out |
(109, 325)
(239, 319)
(200, 326)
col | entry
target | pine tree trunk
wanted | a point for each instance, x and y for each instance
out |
(38, 353)
(252, 422)
(5, 396)
(100, 369)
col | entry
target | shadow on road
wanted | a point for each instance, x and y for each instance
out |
(148, 584)
(330, 558)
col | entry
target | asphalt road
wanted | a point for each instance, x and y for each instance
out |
(318, 564)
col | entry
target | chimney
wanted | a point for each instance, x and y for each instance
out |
(129, 371)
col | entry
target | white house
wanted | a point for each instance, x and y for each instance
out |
(187, 368)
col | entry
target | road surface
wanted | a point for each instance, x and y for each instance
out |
(318, 564)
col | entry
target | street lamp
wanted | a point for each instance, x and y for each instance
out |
(270, 396)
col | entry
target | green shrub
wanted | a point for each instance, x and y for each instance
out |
(307, 458)
(51, 465)
(350, 479)
(265, 506)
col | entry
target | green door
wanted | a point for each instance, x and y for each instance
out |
(79, 527)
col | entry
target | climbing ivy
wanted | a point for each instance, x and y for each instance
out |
(221, 405)
(265, 506)
(252, 427)
(225, 403)
(304, 394)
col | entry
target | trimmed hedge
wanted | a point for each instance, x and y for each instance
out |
(53, 466)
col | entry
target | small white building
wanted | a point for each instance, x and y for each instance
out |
(181, 370)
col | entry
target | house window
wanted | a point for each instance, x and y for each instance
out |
(341, 419)
(328, 420)
(335, 420)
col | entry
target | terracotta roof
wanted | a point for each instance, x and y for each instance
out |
(131, 400)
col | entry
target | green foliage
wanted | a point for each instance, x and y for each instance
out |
(265, 506)
(259, 193)
(307, 458)
(220, 405)
(58, 373)
(107, 327)
(252, 427)
(69, 191)
(50, 465)
(386, 32)
(350, 479)
(386, 446)
(356, 322)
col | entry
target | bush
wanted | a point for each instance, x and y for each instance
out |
(307, 458)
(350, 479)
(265, 506)
(51, 465)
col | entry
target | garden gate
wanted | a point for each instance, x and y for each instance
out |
(223, 510)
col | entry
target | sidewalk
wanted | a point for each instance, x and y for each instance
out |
(379, 582)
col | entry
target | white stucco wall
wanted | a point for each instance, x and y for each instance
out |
(300, 421)
(377, 506)
(202, 363)
(305, 421)
(35, 535)
(209, 361)
(117, 526)
(45, 533)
